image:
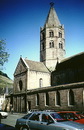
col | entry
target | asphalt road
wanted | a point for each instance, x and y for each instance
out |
(11, 119)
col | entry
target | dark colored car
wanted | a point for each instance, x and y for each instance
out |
(6, 127)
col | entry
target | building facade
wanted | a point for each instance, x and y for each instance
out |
(61, 97)
(52, 83)
(30, 75)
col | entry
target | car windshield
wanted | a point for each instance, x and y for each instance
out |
(57, 117)
(69, 116)
(80, 115)
(26, 116)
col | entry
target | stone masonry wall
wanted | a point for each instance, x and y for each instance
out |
(78, 90)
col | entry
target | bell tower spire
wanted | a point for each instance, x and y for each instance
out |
(52, 40)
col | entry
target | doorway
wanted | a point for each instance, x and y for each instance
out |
(29, 105)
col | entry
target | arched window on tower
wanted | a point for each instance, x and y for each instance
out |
(71, 97)
(42, 46)
(40, 82)
(51, 33)
(42, 36)
(57, 98)
(61, 45)
(51, 44)
(60, 34)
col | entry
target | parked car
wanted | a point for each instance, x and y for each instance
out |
(3, 114)
(43, 120)
(82, 113)
(72, 116)
(79, 114)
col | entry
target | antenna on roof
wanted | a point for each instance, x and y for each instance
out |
(51, 4)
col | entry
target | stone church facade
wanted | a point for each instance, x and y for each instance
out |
(30, 75)
(54, 82)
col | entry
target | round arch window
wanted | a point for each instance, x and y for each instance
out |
(20, 84)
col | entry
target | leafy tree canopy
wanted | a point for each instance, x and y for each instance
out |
(3, 53)
(3, 74)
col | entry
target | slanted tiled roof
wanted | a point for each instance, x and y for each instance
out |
(36, 66)
(74, 57)
(71, 62)
(52, 18)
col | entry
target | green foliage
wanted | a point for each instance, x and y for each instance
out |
(3, 74)
(5, 82)
(3, 53)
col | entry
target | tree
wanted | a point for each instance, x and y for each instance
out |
(3, 53)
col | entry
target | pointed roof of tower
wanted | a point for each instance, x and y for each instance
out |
(52, 18)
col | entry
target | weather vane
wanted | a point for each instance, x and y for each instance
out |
(51, 4)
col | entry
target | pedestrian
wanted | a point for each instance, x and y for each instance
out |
(12, 110)
(0, 118)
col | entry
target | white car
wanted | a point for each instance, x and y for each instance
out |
(46, 121)
(3, 114)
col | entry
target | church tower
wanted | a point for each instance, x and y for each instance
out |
(52, 40)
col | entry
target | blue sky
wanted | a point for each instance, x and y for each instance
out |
(20, 22)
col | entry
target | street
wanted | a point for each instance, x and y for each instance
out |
(11, 119)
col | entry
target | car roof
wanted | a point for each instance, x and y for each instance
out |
(44, 112)
(67, 111)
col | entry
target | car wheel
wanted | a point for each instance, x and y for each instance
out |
(24, 128)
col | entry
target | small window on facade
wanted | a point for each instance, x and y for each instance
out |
(42, 46)
(51, 44)
(60, 45)
(46, 99)
(58, 98)
(40, 82)
(37, 99)
(51, 34)
(20, 84)
(60, 34)
(43, 36)
(71, 97)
